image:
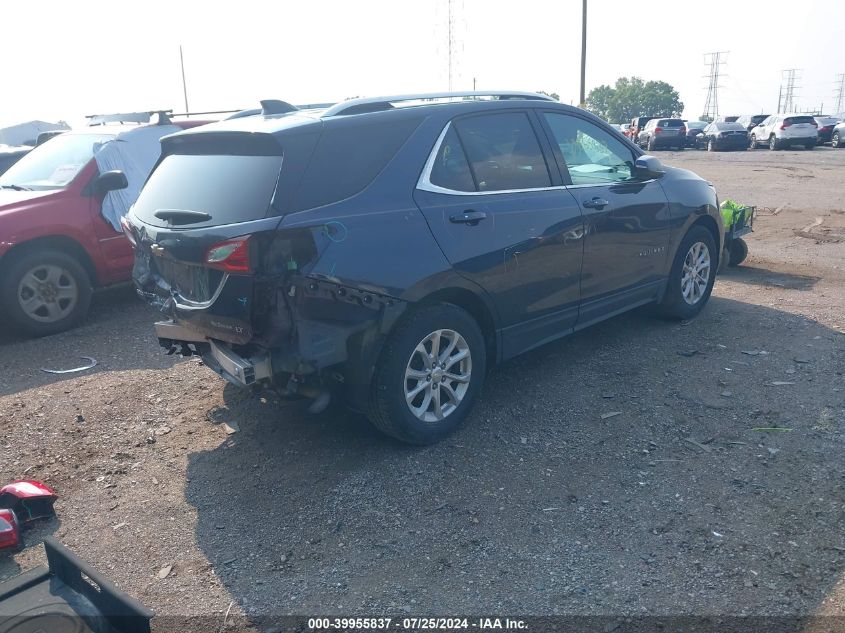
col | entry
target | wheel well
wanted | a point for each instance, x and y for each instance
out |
(710, 224)
(477, 309)
(57, 243)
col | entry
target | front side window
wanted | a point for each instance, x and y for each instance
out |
(503, 152)
(55, 163)
(592, 156)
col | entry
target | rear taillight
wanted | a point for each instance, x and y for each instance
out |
(657, 130)
(231, 256)
(785, 125)
(127, 230)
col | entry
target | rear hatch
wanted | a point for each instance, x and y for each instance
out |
(196, 227)
(799, 126)
(669, 127)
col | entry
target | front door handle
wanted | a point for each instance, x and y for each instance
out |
(595, 203)
(468, 217)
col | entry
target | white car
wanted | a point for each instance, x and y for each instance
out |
(785, 130)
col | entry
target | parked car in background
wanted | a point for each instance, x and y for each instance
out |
(750, 121)
(60, 233)
(723, 136)
(661, 133)
(9, 155)
(295, 273)
(837, 135)
(825, 128)
(779, 131)
(694, 128)
(636, 126)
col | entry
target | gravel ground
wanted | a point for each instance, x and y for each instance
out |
(624, 470)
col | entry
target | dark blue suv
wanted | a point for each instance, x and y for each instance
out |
(391, 250)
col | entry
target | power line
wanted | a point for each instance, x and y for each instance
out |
(711, 103)
(786, 99)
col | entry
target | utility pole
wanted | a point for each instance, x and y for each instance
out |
(711, 103)
(583, 101)
(840, 93)
(789, 75)
(184, 85)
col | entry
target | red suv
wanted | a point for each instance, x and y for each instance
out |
(59, 234)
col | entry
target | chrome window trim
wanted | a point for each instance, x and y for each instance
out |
(424, 183)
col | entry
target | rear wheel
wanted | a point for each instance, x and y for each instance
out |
(753, 143)
(773, 143)
(737, 252)
(45, 292)
(692, 276)
(429, 375)
(711, 146)
(650, 144)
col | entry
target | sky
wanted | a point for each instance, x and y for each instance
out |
(63, 60)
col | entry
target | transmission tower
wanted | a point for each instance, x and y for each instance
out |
(839, 95)
(787, 103)
(711, 103)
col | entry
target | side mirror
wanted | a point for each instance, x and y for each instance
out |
(649, 167)
(110, 181)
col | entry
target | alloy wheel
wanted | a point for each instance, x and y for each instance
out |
(438, 375)
(696, 273)
(47, 293)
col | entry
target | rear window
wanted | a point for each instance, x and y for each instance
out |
(670, 123)
(723, 126)
(800, 119)
(227, 187)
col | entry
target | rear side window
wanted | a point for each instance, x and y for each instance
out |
(503, 152)
(229, 188)
(792, 120)
(451, 168)
(348, 157)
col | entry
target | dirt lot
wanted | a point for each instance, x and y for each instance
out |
(683, 503)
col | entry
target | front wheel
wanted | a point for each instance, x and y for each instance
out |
(650, 145)
(45, 292)
(711, 146)
(773, 143)
(692, 276)
(753, 143)
(429, 374)
(834, 140)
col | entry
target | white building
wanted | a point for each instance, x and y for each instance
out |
(26, 133)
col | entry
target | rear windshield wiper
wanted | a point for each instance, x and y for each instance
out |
(182, 216)
(15, 187)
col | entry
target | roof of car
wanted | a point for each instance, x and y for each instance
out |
(446, 104)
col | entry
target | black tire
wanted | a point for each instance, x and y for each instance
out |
(773, 143)
(711, 146)
(73, 276)
(753, 142)
(673, 304)
(834, 140)
(650, 144)
(388, 409)
(737, 252)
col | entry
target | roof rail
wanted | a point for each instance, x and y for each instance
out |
(374, 104)
(130, 117)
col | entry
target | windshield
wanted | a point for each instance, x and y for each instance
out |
(55, 163)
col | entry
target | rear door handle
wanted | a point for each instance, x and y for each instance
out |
(595, 203)
(468, 217)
